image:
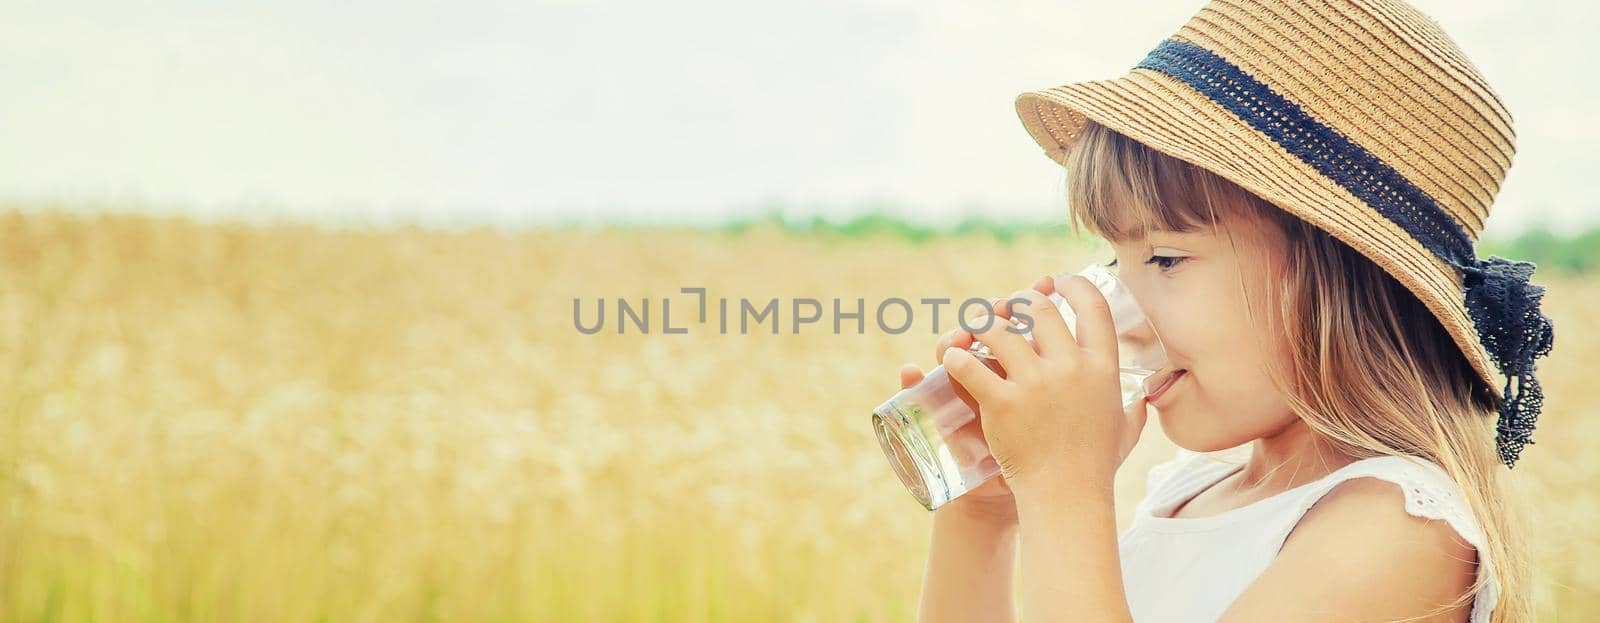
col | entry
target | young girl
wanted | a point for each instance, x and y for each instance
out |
(1291, 190)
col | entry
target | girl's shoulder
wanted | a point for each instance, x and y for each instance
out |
(1428, 492)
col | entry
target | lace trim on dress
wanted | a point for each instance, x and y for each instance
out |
(1431, 494)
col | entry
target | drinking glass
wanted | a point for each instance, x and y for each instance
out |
(935, 441)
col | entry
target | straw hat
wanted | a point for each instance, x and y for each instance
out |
(1361, 117)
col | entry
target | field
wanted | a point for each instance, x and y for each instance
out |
(230, 423)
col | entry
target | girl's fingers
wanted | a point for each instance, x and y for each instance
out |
(910, 375)
(1049, 329)
(1095, 330)
(953, 337)
(959, 337)
(965, 368)
(1004, 340)
(1045, 285)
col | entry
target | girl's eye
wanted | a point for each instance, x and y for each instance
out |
(1165, 262)
(1112, 263)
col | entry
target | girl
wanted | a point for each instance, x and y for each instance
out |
(1297, 225)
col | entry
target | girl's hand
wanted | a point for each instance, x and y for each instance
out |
(1134, 417)
(1057, 413)
(989, 501)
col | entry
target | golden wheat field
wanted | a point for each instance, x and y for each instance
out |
(204, 422)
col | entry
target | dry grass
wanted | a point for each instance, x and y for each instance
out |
(286, 424)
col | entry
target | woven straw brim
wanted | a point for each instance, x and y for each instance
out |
(1173, 118)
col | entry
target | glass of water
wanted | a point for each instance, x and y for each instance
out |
(935, 442)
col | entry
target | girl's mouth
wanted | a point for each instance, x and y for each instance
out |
(1153, 397)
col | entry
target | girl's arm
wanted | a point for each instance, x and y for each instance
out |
(1057, 426)
(973, 550)
(1071, 568)
(970, 564)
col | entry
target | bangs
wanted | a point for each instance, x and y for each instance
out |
(1120, 189)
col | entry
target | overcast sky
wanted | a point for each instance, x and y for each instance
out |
(688, 111)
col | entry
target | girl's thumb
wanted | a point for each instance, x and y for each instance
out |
(1135, 415)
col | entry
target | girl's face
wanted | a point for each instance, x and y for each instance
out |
(1189, 285)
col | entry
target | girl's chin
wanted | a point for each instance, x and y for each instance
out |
(1192, 432)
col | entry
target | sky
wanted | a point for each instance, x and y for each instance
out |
(697, 111)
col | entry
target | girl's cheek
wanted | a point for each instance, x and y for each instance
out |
(1192, 317)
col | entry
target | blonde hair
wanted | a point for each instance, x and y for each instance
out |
(1373, 372)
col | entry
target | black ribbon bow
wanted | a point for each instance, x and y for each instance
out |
(1505, 309)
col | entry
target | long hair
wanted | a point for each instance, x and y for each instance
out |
(1372, 371)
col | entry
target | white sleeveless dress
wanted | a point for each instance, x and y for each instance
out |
(1192, 569)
